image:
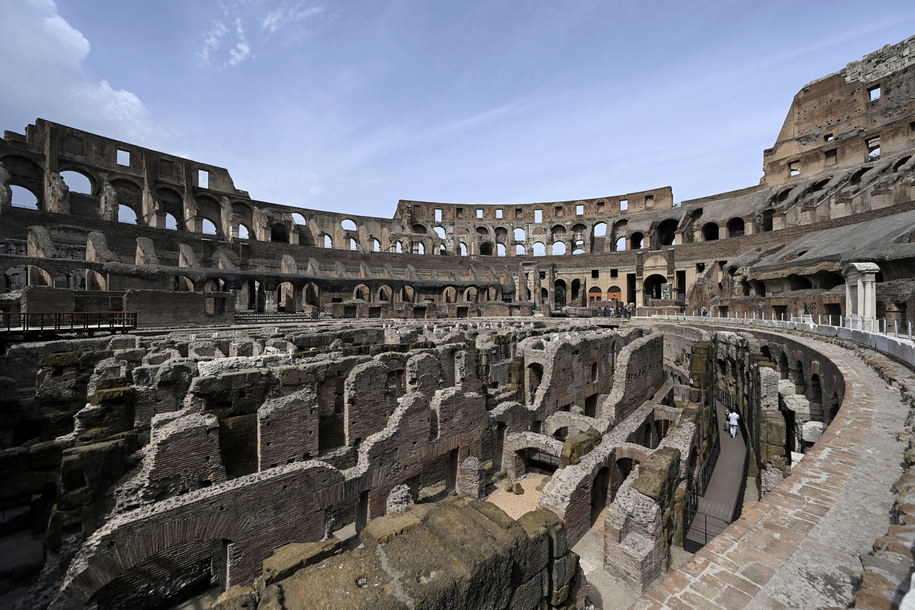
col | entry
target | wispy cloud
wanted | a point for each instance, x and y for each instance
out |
(288, 14)
(213, 39)
(219, 47)
(241, 50)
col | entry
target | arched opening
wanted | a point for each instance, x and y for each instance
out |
(353, 244)
(376, 245)
(77, 182)
(127, 215)
(286, 300)
(348, 225)
(471, 295)
(95, 280)
(576, 291)
(328, 241)
(710, 231)
(15, 278)
(600, 229)
(311, 295)
(559, 248)
(486, 249)
(519, 234)
(184, 284)
(636, 241)
(620, 245)
(500, 250)
(398, 247)
(279, 233)
(384, 294)
(534, 378)
(539, 249)
(600, 493)
(559, 293)
(614, 293)
(407, 294)
(362, 292)
(735, 227)
(653, 286)
(243, 232)
(170, 222)
(23, 198)
(519, 250)
(462, 249)
(449, 294)
(667, 232)
(595, 294)
(298, 219)
(206, 227)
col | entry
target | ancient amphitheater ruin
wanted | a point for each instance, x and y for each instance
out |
(275, 407)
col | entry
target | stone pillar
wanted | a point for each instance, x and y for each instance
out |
(860, 289)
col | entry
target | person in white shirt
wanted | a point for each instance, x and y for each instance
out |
(733, 418)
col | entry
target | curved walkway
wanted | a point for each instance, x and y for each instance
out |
(799, 546)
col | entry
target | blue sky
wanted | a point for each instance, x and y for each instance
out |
(350, 105)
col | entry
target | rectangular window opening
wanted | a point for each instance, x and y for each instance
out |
(649, 199)
(624, 205)
(595, 273)
(600, 206)
(794, 168)
(203, 178)
(499, 213)
(614, 273)
(557, 210)
(519, 212)
(579, 210)
(873, 148)
(538, 215)
(479, 213)
(124, 157)
(438, 215)
(873, 93)
(459, 212)
(830, 157)
(828, 137)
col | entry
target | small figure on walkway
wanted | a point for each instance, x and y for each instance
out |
(733, 418)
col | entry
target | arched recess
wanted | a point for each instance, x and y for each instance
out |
(652, 285)
(735, 227)
(534, 379)
(287, 298)
(595, 294)
(311, 294)
(384, 294)
(408, 294)
(184, 284)
(208, 210)
(279, 233)
(636, 241)
(96, 280)
(362, 292)
(667, 232)
(78, 182)
(614, 292)
(710, 231)
(471, 294)
(39, 276)
(575, 295)
(486, 249)
(557, 233)
(559, 293)
(449, 294)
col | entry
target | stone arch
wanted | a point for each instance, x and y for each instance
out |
(362, 292)
(735, 227)
(710, 231)
(311, 294)
(471, 294)
(127, 215)
(667, 232)
(15, 278)
(652, 286)
(449, 294)
(539, 249)
(519, 234)
(533, 379)
(636, 241)
(208, 209)
(384, 294)
(287, 297)
(408, 294)
(558, 248)
(184, 284)
(26, 182)
(486, 249)
(130, 195)
(348, 224)
(79, 181)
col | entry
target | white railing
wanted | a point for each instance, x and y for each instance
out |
(887, 336)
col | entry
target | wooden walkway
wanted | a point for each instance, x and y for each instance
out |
(718, 507)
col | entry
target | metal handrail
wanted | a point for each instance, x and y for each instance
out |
(85, 321)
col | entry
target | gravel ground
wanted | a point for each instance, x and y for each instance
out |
(514, 505)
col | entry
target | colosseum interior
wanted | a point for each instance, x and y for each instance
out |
(240, 403)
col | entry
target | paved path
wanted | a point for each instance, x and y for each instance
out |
(799, 545)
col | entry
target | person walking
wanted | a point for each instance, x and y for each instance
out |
(733, 418)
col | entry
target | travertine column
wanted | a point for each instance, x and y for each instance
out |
(860, 289)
